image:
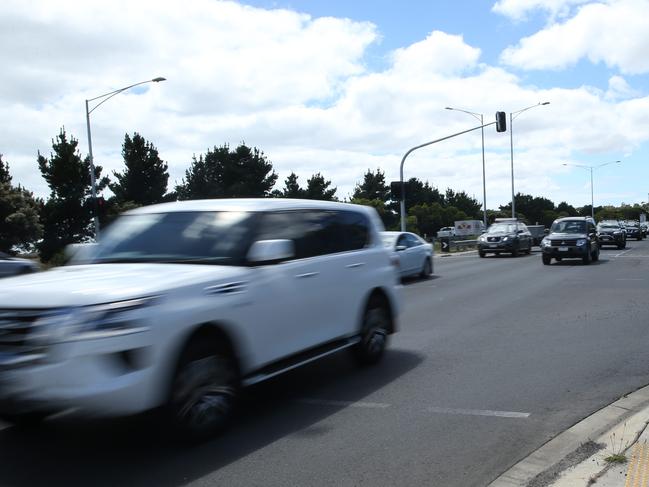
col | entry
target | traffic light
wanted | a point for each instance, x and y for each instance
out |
(395, 189)
(501, 122)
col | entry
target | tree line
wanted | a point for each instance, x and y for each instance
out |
(47, 226)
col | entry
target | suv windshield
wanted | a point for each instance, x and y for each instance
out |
(502, 228)
(608, 226)
(215, 237)
(569, 226)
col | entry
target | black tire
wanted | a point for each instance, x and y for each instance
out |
(204, 391)
(481, 253)
(374, 333)
(546, 259)
(427, 269)
(586, 258)
(639, 238)
(515, 253)
(559, 259)
(595, 256)
(620, 246)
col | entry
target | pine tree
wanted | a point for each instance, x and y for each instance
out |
(243, 173)
(67, 214)
(317, 188)
(144, 181)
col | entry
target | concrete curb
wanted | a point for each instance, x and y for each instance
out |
(547, 460)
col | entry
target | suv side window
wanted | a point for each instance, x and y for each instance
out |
(353, 229)
(317, 232)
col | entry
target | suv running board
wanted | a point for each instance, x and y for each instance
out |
(299, 360)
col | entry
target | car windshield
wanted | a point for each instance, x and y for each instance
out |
(632, 225)
(569, 226)
(608, 226)
(502, 228)
(215, 237)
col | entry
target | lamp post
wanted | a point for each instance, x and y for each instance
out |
(591, 168)
(480, 117)
(512, 116)
(105, 97)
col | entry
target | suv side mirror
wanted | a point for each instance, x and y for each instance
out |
(399, 248)
(271, 251)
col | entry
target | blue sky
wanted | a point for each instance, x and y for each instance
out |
(341, 87)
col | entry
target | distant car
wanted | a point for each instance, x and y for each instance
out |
(415, 254)
(633, 230)
(13, 266)
(446, 232)
(611, 233)
(571, 238)
(505, 237)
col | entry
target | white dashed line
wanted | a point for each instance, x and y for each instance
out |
(622, 253)
(479, 412)
(353, 404)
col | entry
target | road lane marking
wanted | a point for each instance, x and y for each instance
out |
(622, 253)
(479, 412)
(353, 404)
(630, 279)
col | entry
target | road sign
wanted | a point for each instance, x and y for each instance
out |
(445, 242)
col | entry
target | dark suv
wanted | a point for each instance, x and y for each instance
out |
(571, 238)
(611, 233)
(633, 230)
(508, 236)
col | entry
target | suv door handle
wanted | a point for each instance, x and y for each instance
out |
(357, 264)
(307, 274)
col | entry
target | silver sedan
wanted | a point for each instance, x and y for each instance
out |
(415, 254)
(13, 266)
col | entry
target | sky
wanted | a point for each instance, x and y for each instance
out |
(340, 87)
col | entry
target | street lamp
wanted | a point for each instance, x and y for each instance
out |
(591, 168)
(512, 116)
(105, 97)
(480, 117)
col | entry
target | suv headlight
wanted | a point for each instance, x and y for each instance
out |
(546, 242)
(97, 321)
(581, 242)
(482, 238)
(505, 239)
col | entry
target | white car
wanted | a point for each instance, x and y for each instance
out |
(181, 304)
(414, 253)
(14, 266)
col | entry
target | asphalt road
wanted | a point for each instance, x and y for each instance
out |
(494, 357)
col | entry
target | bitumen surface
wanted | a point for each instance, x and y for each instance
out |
(494, 359)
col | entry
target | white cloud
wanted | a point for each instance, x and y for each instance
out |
(613, 33)
(297, 88)
(519, 9)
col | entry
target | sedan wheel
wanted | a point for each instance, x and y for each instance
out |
(427, 270)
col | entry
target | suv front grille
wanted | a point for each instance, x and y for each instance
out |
(493, 239)
(19, 335)
(565, 242)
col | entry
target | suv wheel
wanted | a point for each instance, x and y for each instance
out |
(546, 259)
(481, 253)
(204, 391)
(595, 256)
(586, 258)
(374, 334)
(515, 252)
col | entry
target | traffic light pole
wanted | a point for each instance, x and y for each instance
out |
(403, 186)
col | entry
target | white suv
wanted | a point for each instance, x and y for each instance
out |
(180, 304)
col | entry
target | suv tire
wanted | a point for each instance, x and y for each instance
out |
(374, 333)
(586, 258)
(546, 259)
(204, 391)
(595, 255)
(481, 253)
